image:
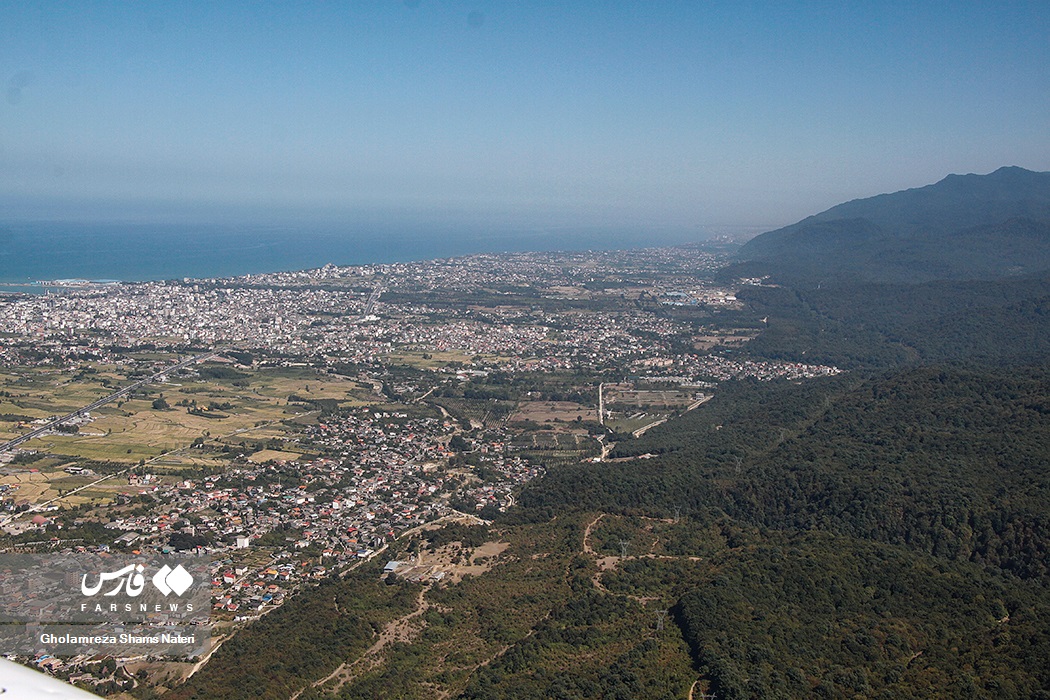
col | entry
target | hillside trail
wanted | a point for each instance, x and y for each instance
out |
(611, 562)
(400, 630)
(587, 549)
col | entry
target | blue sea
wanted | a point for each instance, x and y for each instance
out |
(31, 252)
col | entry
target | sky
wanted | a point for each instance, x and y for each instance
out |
(666, 116)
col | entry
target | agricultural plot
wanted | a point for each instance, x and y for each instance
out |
(551, 448)
(484, 412)
(734, 338)
(552, 412)
(142, 432)
(273, 456)
(427, 360)
(634, 400)
(629, 409)
(73, 489)
(29, 485)
(33, 394)
(280, 383)
(188, 459)
(241, 405)
(551, 440)
(635, 421)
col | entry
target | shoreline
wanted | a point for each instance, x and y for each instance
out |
(44, 286)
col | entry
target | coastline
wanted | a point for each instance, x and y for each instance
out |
(45, 286)
(32, 253)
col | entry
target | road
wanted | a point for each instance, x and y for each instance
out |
(641, 431)
(372, 299)
(700, 401)
(10, 444)
(601, 404)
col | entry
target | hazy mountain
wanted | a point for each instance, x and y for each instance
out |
(963, 227)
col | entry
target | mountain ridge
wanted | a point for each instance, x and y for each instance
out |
(961, 227)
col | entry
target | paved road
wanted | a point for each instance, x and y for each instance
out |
(10, 444)
(372, 299)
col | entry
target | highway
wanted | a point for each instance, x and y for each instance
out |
(10, 444)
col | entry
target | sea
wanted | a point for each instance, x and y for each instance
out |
(31, 252)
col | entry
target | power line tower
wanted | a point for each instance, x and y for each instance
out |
(623, 548)
(677, 514)
(660, 615)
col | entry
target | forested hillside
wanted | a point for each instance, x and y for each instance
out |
(899, 516)
(948, 461)
(880, 325)
(835, 617)
(963, 227)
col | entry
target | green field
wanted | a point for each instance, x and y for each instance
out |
(627, 425)
(250, 408)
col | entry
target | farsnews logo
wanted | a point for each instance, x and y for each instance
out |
(169, 580)
(85, 587)
(131, 579)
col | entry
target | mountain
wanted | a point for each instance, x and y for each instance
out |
(963, 227)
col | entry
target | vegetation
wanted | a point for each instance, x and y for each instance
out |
(214, 371)
(316, 630)
(947, 461)
(963, 227)
(881, 533)
(819, 616)
(877, 325)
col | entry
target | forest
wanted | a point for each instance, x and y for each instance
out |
(944, 460)
(869, 325)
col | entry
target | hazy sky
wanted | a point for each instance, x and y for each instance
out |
(668, 115)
